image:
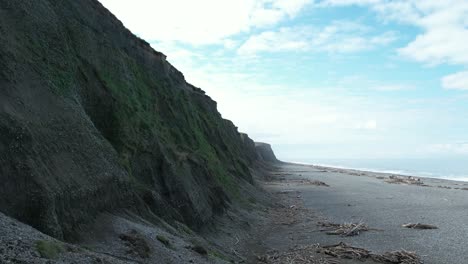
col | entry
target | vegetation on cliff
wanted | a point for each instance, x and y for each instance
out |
(93, 119)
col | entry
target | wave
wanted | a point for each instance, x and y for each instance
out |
(422, 174)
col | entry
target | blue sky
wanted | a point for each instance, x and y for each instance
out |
(323, 79)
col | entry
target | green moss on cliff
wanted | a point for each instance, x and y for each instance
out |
(49, 249)
(145, 110)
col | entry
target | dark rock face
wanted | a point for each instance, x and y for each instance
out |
(92, 119)
(265, 152)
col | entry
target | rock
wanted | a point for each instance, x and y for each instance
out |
(200, 249)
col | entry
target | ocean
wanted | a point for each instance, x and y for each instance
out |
(450, 169)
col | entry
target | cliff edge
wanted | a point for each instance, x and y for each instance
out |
(265, 152)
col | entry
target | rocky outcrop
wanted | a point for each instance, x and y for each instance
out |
(265, 152)
(93, 120)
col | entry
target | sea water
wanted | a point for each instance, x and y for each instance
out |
(443, 168)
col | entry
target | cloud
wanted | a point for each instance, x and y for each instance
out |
(444, 30)
(393, 87)
(285, 39)
(328, 3)
(445, 44)
(291, 7)
(201, 22)
(449, 148)
(338, 37)
(457, 81)
(444, 25)
(368, 125)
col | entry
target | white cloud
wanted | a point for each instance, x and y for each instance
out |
(338, 37)
(457, 81)
(449, 148)
(393, 87)
(203, 21)
(439, 45)
(291, 7)
(368, 125)
(348, 2)
(285, 39)
(444, 26)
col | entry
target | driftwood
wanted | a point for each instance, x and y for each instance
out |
(404, 180)
(444, 187)
(299, 255)
(402, 256)
(419, 226)
(309, 182)
(316, 183)
(313, 254)
(345, 251)
(346, 229)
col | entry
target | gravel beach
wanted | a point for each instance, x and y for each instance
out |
(382, 204)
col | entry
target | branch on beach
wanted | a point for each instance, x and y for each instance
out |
(345, 251)
(316, 183)
(308, 182)
(419, 226)
(404, 180)
(297, 255)
(316, 254)
(346, 229)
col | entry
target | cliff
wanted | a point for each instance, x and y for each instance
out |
(265, 152)
(93, 120)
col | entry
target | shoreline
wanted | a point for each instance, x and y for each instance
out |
(385, 203)
(377, 172)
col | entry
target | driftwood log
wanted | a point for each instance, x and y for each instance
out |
(419, 226)
(346, 229)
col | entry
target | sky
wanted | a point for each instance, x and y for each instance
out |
(323, 78)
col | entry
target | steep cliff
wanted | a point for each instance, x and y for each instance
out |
(93, 120)
(265, 152)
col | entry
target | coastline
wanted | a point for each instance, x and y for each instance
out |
(382, 172)
(311, 195)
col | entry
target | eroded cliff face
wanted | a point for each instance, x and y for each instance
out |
(92, 120)
(265, 153)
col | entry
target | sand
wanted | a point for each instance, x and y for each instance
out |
(354, 196)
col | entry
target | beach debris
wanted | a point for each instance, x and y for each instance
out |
(444, 187)
(346, 229)
(404, 180)
(316, 183)
(419, 226)
(402, 257)
(287, 191)
(310, 182)
(352, 173)
(297, 255)
(290, 214)
(345, 251)
(314, 254)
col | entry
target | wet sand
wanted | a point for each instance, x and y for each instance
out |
(354, 196)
